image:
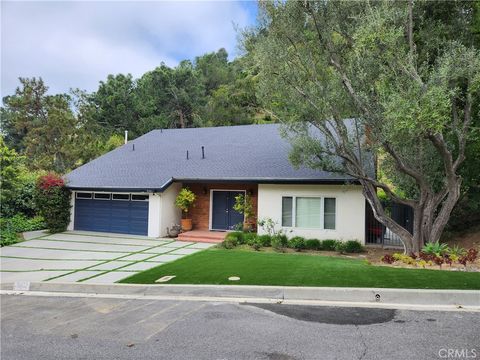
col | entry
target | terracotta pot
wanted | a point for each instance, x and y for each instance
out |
(186, 224)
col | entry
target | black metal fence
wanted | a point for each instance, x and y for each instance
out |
(377, 234)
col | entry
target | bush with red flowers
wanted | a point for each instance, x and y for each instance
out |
(53, 202)
(388, 259)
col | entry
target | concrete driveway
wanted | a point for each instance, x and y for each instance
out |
(82, 256)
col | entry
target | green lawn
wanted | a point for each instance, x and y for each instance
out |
(258, 268)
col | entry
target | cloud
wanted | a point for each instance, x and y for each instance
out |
(77, 44)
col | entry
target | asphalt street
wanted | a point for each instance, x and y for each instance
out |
(34, 327)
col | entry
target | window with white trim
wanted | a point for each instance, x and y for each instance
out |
(83, 195)
(101, 196)
(309, 212)
(121, 197)
(137, 197)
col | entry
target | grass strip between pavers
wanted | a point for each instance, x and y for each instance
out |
(215, 266)
(106, 261)
(86, 242)
(135, 262)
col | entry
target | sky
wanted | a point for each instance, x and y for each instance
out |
(76, 44)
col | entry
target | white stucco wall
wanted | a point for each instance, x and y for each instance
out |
(169, 214)
(350, 209)
(72, 211)
(154, 213)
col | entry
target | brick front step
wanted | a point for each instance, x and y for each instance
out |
(202, 236)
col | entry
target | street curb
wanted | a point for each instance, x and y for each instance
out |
(409, 297)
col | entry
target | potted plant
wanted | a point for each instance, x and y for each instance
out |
(184, 201)
(244, 205)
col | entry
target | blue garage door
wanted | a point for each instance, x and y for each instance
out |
(116, 216)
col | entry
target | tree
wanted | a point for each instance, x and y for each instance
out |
(215, 69)
(171, 97)
(323, 62)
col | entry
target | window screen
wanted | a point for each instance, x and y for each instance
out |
(139, 197)
(124, 197)
(287, 211)
(308, 212)
(101, 196)
(329, 213)
(84, 195)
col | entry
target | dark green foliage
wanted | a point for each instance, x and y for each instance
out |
(329, 245)
(264, 240)
(297, 243)
(353, 246)
(11, 227)
(236, 237)
(313, 244)
(53, 202)
(229, 243)
(340, 246)
(249, 238)
(279, 242)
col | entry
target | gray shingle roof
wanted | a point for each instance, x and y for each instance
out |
(244, 153)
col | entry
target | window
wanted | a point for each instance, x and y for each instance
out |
(287, 211)
(308, 212)
(84, 195)
(329, 213)
(101, 196)
(136, 197)
(124, 197)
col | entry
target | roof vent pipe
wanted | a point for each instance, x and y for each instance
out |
(203, 152)
(126, 136)
(187, 154)
(133, 147)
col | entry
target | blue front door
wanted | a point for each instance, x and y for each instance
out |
(224, 217)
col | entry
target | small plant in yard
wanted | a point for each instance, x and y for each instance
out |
(313, 244)
(264, 240)
(257, 244)
(244, 205)
(439, 260)
(297, 243)
(184, 201)
(340, 247)
(53, 202)
(329, 245)
(249, 238)
(353, 246)
(279, 242)
(388, 259)
(406, 259)
(456, 251)
(435, 248)
(236, 237)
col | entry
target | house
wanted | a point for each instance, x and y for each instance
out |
(132, 188)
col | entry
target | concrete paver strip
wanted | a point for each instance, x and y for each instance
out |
(202, 245)
(140, 266)
(10, 277)
(109, 278)
(104, 240)
(13, 264)
(185, 251)
(158, 250)
(178, 244)
(111, 265)
(67, 245)
(76, 276)
(166, 257)
(37, 253)
(137, 257)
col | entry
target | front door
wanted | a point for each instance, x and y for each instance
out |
(224, 217)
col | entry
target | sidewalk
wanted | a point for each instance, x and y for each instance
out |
(362, 297)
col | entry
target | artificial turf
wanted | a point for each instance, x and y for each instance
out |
(215, 266)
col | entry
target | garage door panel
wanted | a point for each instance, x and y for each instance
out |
(127, 217)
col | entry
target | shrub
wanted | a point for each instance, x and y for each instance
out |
(249, 238)
(53, 202)
(406, 259)
(279, 241)
(229, 243)
(264, 240)
(256, 245)
(388, 259)
(297, 243)
(236, 237)
(456, 251)
(185, 200)
(435, 248)
(17, 224)
(329, 245)
(313, 244)
(353, 246)
(340, 246)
